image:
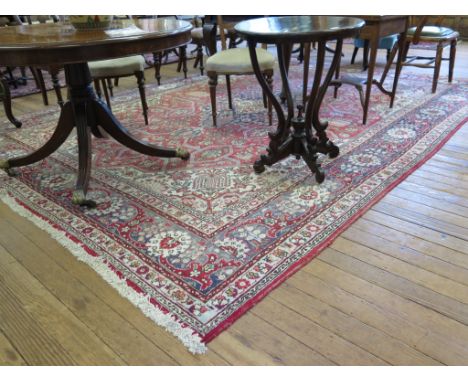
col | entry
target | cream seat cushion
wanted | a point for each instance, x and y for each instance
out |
(237, 61)
(117, 66)
(431, 31)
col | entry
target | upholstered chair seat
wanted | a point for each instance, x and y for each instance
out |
(386, 43)
(117, 67)
(104, 71)
(199, 40)
(431, 31)
(237, 61)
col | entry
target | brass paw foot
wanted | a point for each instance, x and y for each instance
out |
(79, 199)
(4, 165)
(259, 167)
(182, 154)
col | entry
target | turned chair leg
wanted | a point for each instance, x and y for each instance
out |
(106, 93)
(228, 87)
(199, 59)
(42, 86)
(212, 83)
(365, 55)
(140, 75)
(405, 51)
(453, 51)
(353, 57)
(183, 59)
(110, 86)
(97, 87)
(34, 74)
(157, 58)
(337, 75)
(57, 89)
(437, 63)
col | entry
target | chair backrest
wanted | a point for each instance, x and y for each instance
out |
(229, 26)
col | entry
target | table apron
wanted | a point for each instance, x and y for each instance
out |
(383, 28)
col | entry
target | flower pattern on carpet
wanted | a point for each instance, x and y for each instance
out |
(204, 240)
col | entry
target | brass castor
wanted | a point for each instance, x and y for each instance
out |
(79, 199)
(4, 165)
(182, 154)
(259, 167)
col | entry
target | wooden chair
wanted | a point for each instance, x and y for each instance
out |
(387, 43)
(436, 34)
(53, 70)
(235, 61)
(104, 71)
(199, 38)
(159, 56)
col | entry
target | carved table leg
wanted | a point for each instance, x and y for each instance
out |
(302, 142)
(64, 127)
(88, 114)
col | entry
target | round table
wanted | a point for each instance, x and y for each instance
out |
(47, 44)
(300, 141)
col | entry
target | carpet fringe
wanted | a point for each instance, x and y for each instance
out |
(191, 340)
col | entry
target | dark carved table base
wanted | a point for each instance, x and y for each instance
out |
(294, 135)
(90, 116)
(5, 98)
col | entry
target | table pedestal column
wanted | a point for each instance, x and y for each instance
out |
(90, 116)
(294, 135)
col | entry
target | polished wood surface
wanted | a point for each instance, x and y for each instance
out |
(45, 44)
(388, 292)
(84, 111)
(298, 28)
(303, 136)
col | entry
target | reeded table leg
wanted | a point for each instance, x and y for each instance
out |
(89, 115)
(294, 135)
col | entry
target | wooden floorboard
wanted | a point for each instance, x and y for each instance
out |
(392, 289)
(9, 355)
(82, 345)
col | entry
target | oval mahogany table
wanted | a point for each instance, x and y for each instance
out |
(46, 44)
(300, 141)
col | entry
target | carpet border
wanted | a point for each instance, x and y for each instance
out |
(190, 338)
(316, 251)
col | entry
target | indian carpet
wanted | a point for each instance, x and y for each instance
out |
(196, 244)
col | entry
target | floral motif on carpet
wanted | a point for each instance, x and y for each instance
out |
(202, 241)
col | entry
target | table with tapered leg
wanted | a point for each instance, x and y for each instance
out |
(303, 136)
(46, 44)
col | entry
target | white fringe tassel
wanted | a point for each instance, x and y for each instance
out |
(189, 339)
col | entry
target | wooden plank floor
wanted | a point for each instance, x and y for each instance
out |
(392, 289)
